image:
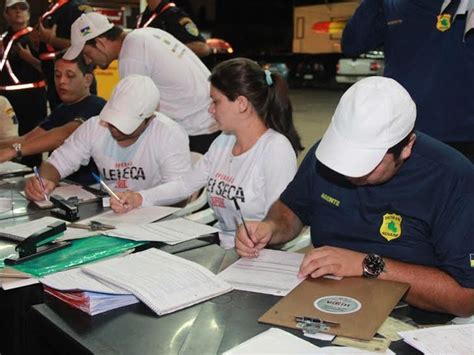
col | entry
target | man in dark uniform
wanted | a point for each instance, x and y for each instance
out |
(166, 16)
(21, 80)
(54, 29)
(429, 49)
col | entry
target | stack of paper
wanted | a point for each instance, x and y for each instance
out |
(21, 231)
(172, 232)
(274, 272)
(82, 291)
(10, 167)
(164, 282)
(92, 302)
(66, 191)
(448, 339)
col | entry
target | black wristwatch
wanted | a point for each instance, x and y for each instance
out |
(17, 148)
(372, 266)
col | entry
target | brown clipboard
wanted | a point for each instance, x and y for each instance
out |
(377, 299)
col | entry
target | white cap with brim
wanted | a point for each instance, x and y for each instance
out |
(9, 3)
(134, 99)
(88, 26)
(372, 116)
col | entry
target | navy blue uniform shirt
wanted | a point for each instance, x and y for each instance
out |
(84, 109)
(436, 68)
(423, 215)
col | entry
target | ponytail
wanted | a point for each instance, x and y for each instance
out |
(267, 92)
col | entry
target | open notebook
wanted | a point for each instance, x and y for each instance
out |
(66, 191)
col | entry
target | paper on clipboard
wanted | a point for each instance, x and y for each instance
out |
(358, 305)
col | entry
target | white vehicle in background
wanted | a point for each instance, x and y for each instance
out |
(350, 70)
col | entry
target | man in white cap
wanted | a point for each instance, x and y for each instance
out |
(134, 147)
(382, 201)
(178, 73)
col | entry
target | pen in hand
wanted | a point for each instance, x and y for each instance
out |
(106, 188)
(237, 207)
(41, 182)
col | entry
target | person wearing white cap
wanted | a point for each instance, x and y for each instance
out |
(133, 146)
(382, 201)
(178, 73)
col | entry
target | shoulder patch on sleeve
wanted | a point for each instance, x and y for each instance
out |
(189, 26)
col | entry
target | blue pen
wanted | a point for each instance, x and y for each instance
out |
(35, 170)
(106, 188)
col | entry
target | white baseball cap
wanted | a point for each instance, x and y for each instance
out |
(134, 99)
(85, 28)
(372, 116)
(9, 3)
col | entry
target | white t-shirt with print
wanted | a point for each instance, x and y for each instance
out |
(255, 179)
(160, 154)
(181, 77)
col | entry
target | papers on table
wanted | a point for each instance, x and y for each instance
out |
(274, 341)
(84, 292)
(19, 232)
(135, 217)
(172, 232)
(66, 191)
(10, 167)
(11, 278)
(274, 272)
(164, 282)
(449, 339)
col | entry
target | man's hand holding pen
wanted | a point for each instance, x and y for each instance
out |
(35, 191)
(258, 236)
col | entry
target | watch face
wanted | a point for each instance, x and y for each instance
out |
(373, 265)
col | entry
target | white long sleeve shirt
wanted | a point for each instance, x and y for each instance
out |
(255, 179)
(161, 154)
(181, 77)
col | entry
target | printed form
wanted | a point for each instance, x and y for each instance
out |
(273, 272)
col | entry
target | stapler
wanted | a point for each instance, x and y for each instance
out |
(64, 209)
(39, 243)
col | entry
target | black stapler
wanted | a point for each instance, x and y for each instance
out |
(39, 243)
(64, 209)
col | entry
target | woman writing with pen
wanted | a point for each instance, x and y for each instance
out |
(247, 166)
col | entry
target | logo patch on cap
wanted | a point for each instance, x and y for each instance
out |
(391, 227)
(85, 31)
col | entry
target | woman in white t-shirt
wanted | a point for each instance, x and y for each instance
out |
(251, 163)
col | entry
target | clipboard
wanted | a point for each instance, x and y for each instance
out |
(353, 307)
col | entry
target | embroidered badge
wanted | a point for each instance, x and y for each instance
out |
(330, 199)
(444, 22)
(85, 31)
(189, 26)
(391, 227)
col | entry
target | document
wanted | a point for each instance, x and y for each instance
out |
(133, 218)
(273, 272)
(66, 191)
(11, 278)
(449, 339)
(10, 167)
(172, 231)
(77, 280)
(91, 302)
(390, 328)
(19, 232)
(274, 341)
(164, 282)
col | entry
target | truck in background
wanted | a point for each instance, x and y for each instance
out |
(300, 38)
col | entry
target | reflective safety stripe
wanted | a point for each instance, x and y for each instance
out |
(47, 56)
(152, 17)
(39, 84)
(15, 36)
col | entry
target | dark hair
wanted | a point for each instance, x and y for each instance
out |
(79, 60)
(396, 150)
(244, 77)
(112, 34)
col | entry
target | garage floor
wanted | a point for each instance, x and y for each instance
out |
(312, 112)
